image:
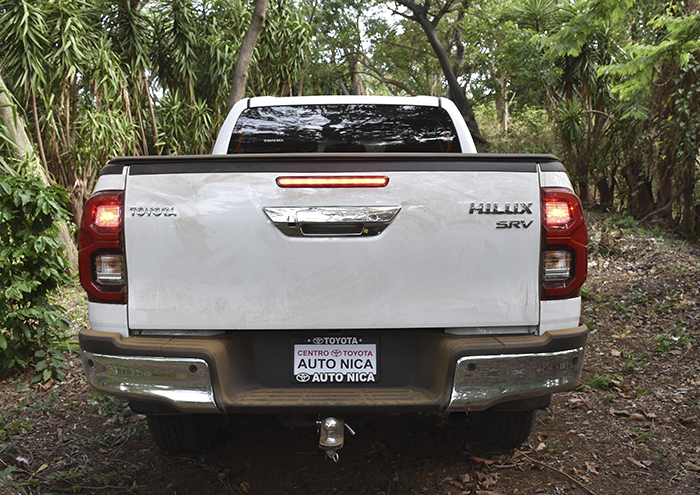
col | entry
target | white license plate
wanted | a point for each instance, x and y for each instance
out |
(335, 360)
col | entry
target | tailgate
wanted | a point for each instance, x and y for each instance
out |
(218, 245)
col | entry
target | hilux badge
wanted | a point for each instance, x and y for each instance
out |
(508, 209)
(516, 208)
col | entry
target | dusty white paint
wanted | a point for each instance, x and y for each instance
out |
(222, 264)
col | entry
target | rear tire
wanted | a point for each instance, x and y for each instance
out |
(182, 434)
(505, 429)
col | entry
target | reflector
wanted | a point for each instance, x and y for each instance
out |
(311, 181)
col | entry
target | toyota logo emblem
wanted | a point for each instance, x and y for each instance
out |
(303, 377)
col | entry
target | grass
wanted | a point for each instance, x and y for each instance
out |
(601, 382)
(73, 299)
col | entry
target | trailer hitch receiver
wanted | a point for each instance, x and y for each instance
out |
(332, 436)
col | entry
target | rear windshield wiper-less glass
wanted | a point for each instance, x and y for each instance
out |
(344, 128)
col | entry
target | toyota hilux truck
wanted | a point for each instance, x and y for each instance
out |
(334, 256)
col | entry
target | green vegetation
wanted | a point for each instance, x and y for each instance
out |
(675, 337)
(32, 329)
(611, 87)
(602, 382)
(110, 430)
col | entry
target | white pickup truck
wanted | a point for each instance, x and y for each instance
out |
(333, 256)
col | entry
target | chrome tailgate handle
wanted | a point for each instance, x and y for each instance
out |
(331, 221)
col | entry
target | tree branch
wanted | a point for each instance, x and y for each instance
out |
(670, 203)
(377, 74)
(444, 10)
(584, 488)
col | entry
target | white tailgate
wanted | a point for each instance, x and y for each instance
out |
(220, 262)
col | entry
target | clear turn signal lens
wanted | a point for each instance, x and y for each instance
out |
(557, 265)
(109, 269)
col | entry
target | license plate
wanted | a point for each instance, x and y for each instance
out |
(327, 360)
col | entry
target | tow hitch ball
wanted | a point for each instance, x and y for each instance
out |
(332, 436)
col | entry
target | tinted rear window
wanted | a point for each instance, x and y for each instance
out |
(344, 128)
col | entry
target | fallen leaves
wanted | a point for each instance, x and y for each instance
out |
(482, 482)
(639, 435)
(591, 468)
(560, 471)
(576, 403)
(635, 462)
(635, 416)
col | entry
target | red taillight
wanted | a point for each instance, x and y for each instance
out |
(557, 213)
(315, 181)
(564, 263)
(107, 216)
(101, 248)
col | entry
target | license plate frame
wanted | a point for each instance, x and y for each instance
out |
(335, 360)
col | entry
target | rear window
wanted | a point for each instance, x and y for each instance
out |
(344, 128)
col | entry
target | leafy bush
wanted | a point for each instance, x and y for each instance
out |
(530, 131)
(32, 264)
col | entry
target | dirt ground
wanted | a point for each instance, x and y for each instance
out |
(631, 427)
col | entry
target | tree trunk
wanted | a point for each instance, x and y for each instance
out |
(357, 88)
(688, 220)
(24, 151)
(22, 146)
(240, 75)
(606, 191)
(503, 104)
(147, 91)
(640, 197)
(456, 91)
(665, 167)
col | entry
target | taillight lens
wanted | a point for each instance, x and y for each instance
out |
(557, 213)
(565, 240)
(557, 265)
(109, 269)
(318, 181)
(108, 216)
(101, 248)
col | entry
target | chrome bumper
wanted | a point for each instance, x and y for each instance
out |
(218, 374)
(184, 383)
(481, 381)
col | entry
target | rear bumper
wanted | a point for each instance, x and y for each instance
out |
(420, 370)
